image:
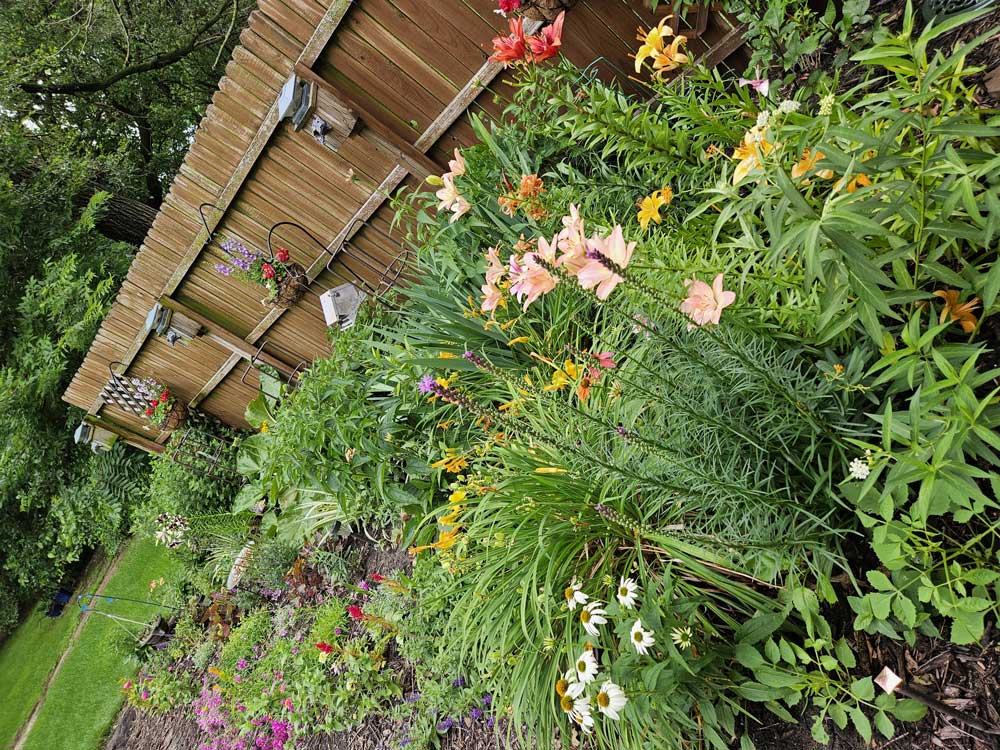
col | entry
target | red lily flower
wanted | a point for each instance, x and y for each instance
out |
(547, 43)
(510, 49)
(326, 648)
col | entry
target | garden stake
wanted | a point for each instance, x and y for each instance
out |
(890, 682)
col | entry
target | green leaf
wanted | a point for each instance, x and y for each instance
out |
(884, 725)
(863, 689)
(879, 580)
(967, 627)
(758, 628)
(818, 731)
(748, 656)
(908, 710)
(905, 611)
(755, 691)
(839, 715)
(881, 604)
(845, 654)
(861, 724)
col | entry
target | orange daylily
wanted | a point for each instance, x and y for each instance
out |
(958, 312)
(652, 42)
(670, 57)
(808, 164)
(856, 182)
(750, 153)
(446, 540)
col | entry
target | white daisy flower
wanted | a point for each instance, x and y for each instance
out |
(859, 469)
(567, 685)
(573, 594)
(591, 616)
(611, 700)
(586, 667)
(642, 639)
(628, 593)
(681, 637)
(582, 714)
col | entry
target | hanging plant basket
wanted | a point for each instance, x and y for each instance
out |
(291, 287)
(545, 10)
(177, 416)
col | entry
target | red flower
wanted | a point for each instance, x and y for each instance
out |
(282, 255)
(164, 396)
(154, 403)
(267, 271)
(547, 43)
(510, 49)
(376, 577)
(149, 412)
(355, 613)
(509, 6)
(326, 648)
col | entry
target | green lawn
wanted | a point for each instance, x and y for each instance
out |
(27, 657)
(85, 698)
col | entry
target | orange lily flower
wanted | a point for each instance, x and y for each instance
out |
(960, 313)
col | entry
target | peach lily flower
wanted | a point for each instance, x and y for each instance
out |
(704, 304)
(595, 273)
(456, 166)
(496, 269)
(808, 163)
(530, 279)
(451, 200)
(572, 242)
(670, 58)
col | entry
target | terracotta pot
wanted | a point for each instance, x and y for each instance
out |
(291, 288)
(545, 10)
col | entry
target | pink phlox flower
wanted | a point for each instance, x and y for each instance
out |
(704, 304)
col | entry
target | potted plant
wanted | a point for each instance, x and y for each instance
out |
(284, 280)
(163, 410)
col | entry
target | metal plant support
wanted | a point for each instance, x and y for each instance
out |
(942, 9)
(291, 382)
(208, 452)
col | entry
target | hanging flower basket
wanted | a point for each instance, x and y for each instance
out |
(284, 280)
(290, 287)
(175, 417)
(544, 10)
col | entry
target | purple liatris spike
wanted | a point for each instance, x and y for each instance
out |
(427, 384)
(475, 359)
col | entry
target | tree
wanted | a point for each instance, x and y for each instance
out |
(98, 101)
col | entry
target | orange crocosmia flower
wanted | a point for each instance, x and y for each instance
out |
(959, 312)
(808, 164)
(531, 186)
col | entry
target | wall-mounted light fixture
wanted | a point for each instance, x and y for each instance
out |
(319, 112)
(175, 327)
(341, 304)
(97, 437)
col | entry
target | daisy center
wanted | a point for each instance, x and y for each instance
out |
(585, 616)
(561, 687)
(581, 666)
(566, 703)
(569, 593)
(623, 592)
(603, 700)
(637, 636)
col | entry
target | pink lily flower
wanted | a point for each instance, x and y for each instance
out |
(595, 273)
(704, 304)
(761, 85)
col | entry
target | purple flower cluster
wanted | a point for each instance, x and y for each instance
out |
(240, 258)
(445, 725)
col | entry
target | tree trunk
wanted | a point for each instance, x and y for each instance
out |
(123, 219)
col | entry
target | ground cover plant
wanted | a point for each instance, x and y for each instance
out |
(685, 395)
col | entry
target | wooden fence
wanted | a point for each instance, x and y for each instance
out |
(409, 70)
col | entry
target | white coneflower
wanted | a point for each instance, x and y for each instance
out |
(681, 637)
(573, 594)
(642, 639)
(586, 667)
(826, 105)
(591, 616)
(788, 106)
(628, 593)
(568, 685)
(859, 469)
(611, 699)
(582, 714)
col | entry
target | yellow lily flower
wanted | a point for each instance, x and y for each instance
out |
(446, 540)
(670, 57)
(519, 340)
(452, 462)
(652, 42)
(649, 207)
(750, 153)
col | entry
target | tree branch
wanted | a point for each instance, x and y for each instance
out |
(194, 43)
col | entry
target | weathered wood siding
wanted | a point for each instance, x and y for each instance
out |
(407, 61)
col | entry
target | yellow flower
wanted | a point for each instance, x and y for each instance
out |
(750, 153)
(446, 540)
(445, 425)
(665, 194)
(263, 426)
(457, 496)
(452, 518)
(652, 42)
(649, 207)
(960, 313)
(670, 58)
(519, 340)
(452, 462)
(446, 355)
